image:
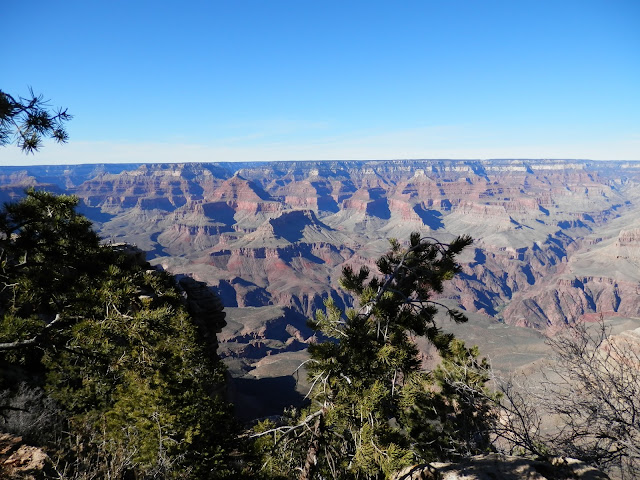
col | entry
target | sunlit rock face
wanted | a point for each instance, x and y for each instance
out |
(502, 467)
(22, 461)
(555, 241)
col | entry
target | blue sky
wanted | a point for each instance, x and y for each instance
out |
(311, 80)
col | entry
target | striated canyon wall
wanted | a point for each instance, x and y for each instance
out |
(555, 240)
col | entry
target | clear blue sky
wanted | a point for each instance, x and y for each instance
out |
(299, 79)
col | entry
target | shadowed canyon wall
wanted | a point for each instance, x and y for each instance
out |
(555, 240)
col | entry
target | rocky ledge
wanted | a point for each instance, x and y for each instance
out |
(20, 461)
(502, 467)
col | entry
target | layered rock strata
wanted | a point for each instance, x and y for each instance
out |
(555, 240)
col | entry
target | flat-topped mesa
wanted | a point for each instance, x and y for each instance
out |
(280, 174)
(436, 189)
(242, 194)
(146, 188)
(319, 251)
(555, 165)
(483, 210)
(368, 177)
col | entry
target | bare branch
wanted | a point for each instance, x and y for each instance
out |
(289, 428)
(31, 341)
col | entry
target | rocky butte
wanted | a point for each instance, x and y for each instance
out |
(555, 242)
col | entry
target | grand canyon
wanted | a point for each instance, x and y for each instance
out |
(555, 242)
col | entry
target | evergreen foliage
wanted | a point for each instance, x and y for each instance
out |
(370, 400)
(26, 121)
(112, 343)
(453, 418)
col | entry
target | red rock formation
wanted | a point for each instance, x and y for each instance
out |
(286, 229)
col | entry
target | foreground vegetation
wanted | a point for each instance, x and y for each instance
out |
(100, 356)
(587, 405)
(373, 409)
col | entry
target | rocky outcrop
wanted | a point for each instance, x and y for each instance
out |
(291, 275)
(244, 195)
(501, 467)
(19, 461)
(629, 238)
(572, 299)
(138, 255)
(159, 187)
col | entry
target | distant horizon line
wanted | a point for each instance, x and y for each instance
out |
(498, 159)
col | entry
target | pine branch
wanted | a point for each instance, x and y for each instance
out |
(31, 341)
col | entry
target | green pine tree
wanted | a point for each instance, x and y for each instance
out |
(367, 376)
(113, 344)
(449, 412)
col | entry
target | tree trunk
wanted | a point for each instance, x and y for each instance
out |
(311, 462)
